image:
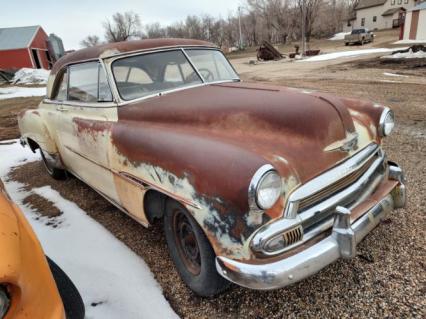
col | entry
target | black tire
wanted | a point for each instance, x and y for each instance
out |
(55, 173)
(346, 43)
(73, 304)
(197, 271)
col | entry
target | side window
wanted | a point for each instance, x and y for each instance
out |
(61, 93)
(88, 83)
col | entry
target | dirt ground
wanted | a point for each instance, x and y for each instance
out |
(386, 279)
(9, 110)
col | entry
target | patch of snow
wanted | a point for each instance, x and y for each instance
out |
(339, 36)
(345, 54)
(407, 55)
(16, 91)
(410, 42)
(31, 76)
(394, 74)
(105, 271)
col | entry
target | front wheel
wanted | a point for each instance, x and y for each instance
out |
(191, 252)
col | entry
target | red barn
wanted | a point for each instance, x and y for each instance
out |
(24, 47)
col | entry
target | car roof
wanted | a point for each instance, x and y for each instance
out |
(112, 49)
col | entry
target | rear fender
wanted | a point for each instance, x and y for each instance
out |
(33, 128)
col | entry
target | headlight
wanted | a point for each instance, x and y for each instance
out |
(4, 301)
(387, 122)
(265, 188)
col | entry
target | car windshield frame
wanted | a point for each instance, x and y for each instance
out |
(202, 82)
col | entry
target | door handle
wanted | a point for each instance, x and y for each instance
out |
(61, 109)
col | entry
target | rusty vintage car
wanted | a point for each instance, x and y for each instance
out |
(258, 185)
(31, 284)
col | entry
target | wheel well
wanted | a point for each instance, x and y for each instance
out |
(154, 205)
(33, 145)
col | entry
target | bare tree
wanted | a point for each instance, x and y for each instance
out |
(154, 30)
(194, 28)
(90, 41)
(123, 27)
(278, 21)
(311, 13)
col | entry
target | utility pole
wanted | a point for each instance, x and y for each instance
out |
(303, 27)
(239, 28)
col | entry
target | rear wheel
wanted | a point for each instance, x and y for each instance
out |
(73, 304)
(191, 252)
(54, 172)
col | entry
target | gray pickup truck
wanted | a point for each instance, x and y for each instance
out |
(360, 36)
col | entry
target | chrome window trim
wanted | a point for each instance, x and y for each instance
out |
(100, 105)
(193, 66)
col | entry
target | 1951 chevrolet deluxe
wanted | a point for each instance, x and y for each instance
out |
(258, 185)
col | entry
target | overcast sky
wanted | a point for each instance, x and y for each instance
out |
(72, 20)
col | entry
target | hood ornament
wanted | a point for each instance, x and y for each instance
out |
(350, 143)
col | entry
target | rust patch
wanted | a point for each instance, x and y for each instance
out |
(92, 127)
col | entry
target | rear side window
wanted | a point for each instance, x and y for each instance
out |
(88, 83)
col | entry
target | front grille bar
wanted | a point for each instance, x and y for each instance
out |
(332, 176)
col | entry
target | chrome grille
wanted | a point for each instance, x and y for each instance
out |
(335, 187)
(293, 236)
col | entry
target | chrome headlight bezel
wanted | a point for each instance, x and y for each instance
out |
(256, 182)
(4, 301)
(387, 122)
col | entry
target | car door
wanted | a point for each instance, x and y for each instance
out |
(83, 123)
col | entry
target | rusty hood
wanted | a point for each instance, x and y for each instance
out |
(292, 129)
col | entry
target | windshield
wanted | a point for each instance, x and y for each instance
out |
(212, 65)
(148, 74)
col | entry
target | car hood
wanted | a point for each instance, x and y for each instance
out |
(294, 130)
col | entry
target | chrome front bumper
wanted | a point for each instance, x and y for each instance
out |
(340, 244)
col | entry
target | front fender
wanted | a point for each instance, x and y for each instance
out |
(209, 176)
